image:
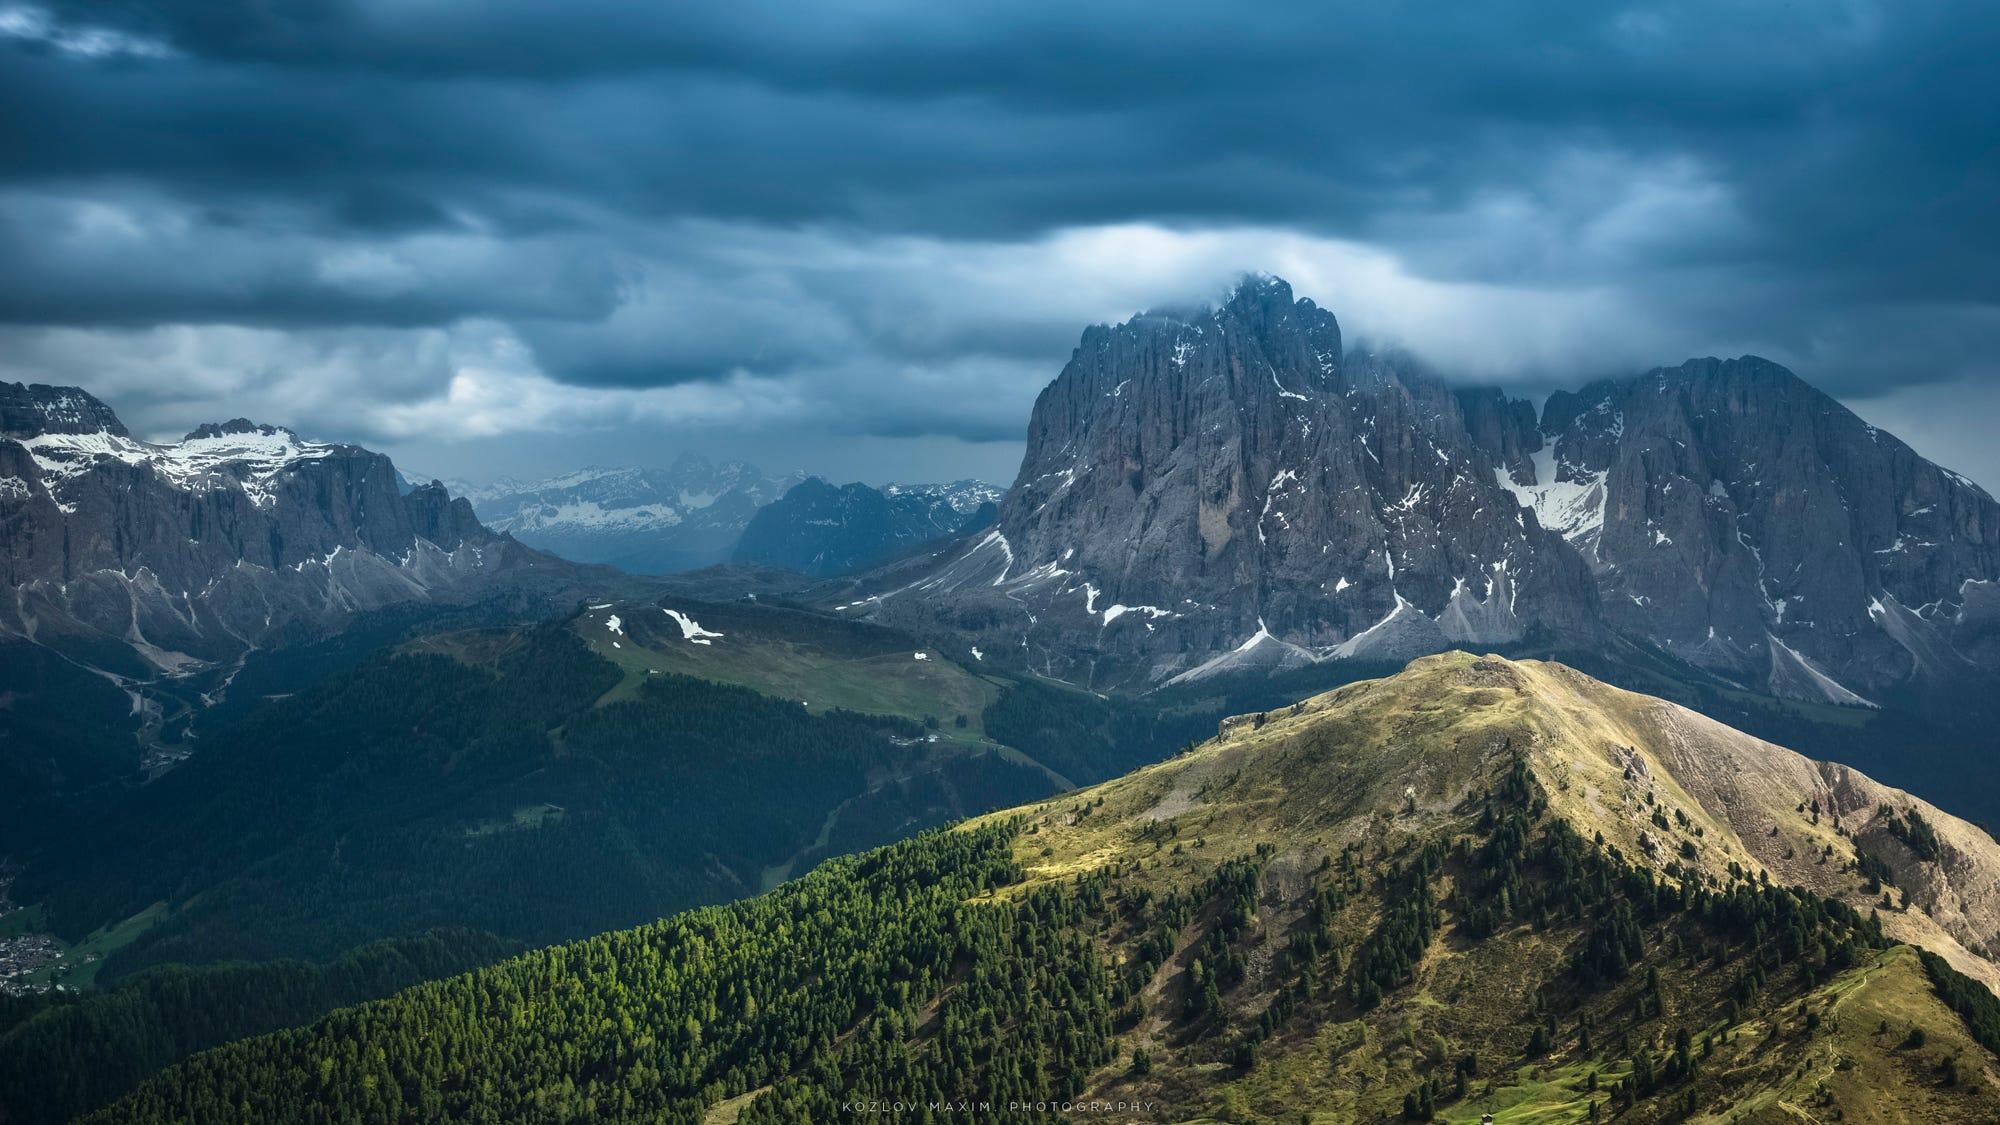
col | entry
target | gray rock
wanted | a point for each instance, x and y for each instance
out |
(1753, 524)
(1231, 490)
(1228, 489)
(144, 559)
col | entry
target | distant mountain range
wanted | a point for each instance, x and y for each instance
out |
(142, 559)
(644, 521)
(141, 578)
(1224, 491)
(696, 513)
(1235, 490)
(823, 530)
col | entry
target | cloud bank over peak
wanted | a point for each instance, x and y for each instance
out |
(879, 227)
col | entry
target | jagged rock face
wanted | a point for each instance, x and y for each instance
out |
(1505, 428)
(141, 558)
(28, 410)
(1743, 520)
(1228, 490)
(646, 521)
(824, 530)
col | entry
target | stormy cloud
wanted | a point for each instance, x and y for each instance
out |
(868, 233)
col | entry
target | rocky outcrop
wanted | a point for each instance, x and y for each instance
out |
(823, 530)
(141, 559)
(1228, 489)
(1743, 520)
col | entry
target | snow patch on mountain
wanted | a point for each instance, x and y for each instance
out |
(1573, 509)
(962, 496)
(1114, 612)
(623, 499)
(691, 630)
(237, 454)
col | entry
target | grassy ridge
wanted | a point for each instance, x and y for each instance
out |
(1369, 905)
(825, 663)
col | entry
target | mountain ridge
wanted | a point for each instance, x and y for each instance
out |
(823, 530)
(644, 521)
(1430, 893)
(1234, 490)
(146, 558)
(1746, 521)
(1193, 482)
(140, 578)
(1754, 800)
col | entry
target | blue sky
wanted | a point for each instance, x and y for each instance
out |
(512, 237)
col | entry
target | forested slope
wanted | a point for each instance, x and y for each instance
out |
(490, 789)
(1405, 898)
(77, 1052)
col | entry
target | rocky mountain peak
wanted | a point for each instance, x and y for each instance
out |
(30, 410)
(239, 427)
(1263, 301)
(1231, 489)
(145, 558)
(815, 487)
(1743, 520)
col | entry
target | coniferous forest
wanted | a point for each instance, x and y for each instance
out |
(949, 977)
(418, 791)
(65, 1053)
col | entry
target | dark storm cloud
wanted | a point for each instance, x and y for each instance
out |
(133, 259)
(652, 195)
(1015, 118)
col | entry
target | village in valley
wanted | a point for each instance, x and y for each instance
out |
(30, 962)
